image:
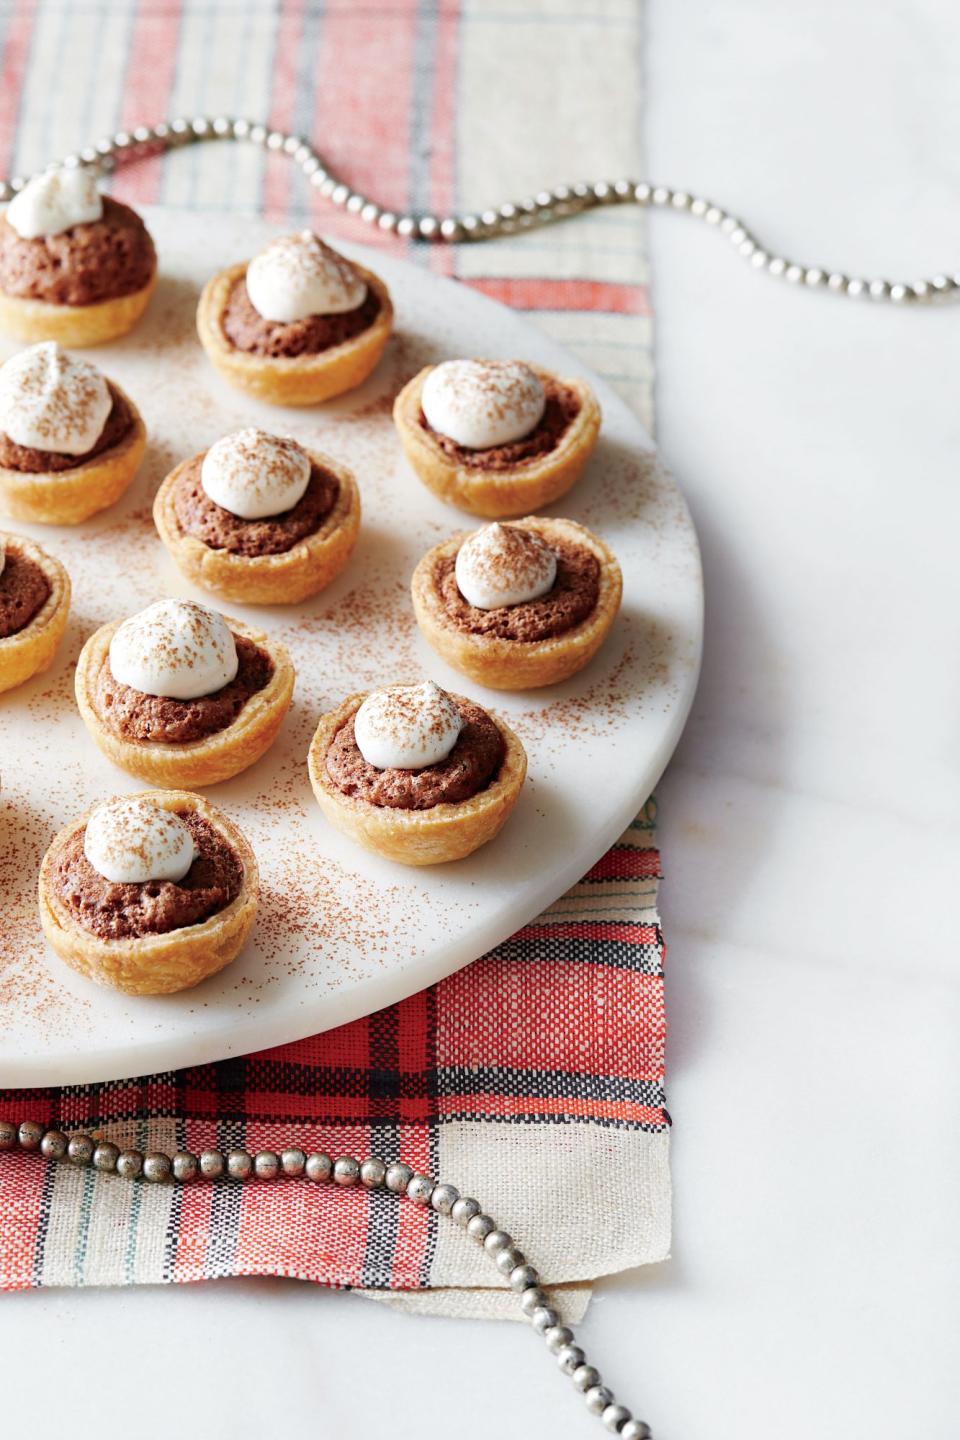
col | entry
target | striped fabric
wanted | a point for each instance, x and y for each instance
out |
(534, 1078)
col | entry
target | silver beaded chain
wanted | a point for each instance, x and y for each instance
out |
(540, 209)
(183, 1168)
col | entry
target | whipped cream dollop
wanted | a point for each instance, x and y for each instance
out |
(254, 474)
(504, 565)
(298, 275)
(131, 841)
(50, 401)
(482, 403)
(407, 727)
(174, 648)
(53, 202)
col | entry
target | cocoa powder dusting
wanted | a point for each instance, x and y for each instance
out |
(246, 328)
(198, 515)
(36, 462)
(572, 597)
(561, 409)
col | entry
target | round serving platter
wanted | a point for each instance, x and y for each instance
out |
(340, 933)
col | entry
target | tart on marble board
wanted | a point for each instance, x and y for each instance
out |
(297, 324)
(34, 607)
(520, 605)
(149, 893)
(496, 437)
(179, 695)
(258, 519)
(71, 440)
(76, 266)
(416, 774)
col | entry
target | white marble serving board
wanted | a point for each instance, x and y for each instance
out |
(340, 933)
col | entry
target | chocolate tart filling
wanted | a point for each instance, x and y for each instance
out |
(24, 590)
(246, 329)
(473, 762)
(136, 716)
(112, 911)
(39, 462)
(200, 516)
(572, 597)
(562, 408)
(100, 260)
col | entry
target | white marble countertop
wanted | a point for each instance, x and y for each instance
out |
(808, 826)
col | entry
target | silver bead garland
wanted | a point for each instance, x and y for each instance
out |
(445, 1200)
(543, 208)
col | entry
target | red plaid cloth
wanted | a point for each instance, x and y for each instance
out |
(544, 1060)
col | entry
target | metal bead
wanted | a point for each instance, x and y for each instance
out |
(602, 191)
(450, 228)
(814, 277)
(266, 1165)
(291, 144)
(185, 1166)
(239, 1165)
(580, 191)
(777, 266)
(257, 134)
(523, 1277)
(544, 1319)
(879, 289)
(635, 1430)
(464, 1210)
(714, 215)
(179, 126)
(943, 284)
(759, 259)
(615, 1417)
(221, 126)
(370, 213)
(241, 129)
(30, 1134)
(899, 293)
(406, 225)
(200, 126)
(497, 1240)
(624, 189)
(508, 212)
(8, 1135)
(660, 195)
(373, 1172)
(699, 207)
(311, 164)
(856, 288)
(508, 1259)
(570, 1358)
(105, 1157)
(428, 226)
(346, 1170)
(585, 1377)
(681, 200)
(80, 1149)
(318, 1167)
(122, 140)
(340, 193)
(480, 1226)
(292, 1161)
(355, 202)
(387, 221)
(157, 1168)
(212, 1164)
(921, 289)
(398, 1177)
(533, 1298)
(53, 1146)
(161, 130)
(469, 224)
(420, 1190)
(130, 1164)
(747, 247)
(558, 1336)
(444, 1198)
(325, 183)
(793, 274)
(597, 1398)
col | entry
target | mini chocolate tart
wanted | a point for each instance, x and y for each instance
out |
(160, 936)
(278, 560)
(419, 817)
(34, 606)
(534, 643)
(57, 489)
(303, 362)
(510, 479)
(187, 742)
(84, 286)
